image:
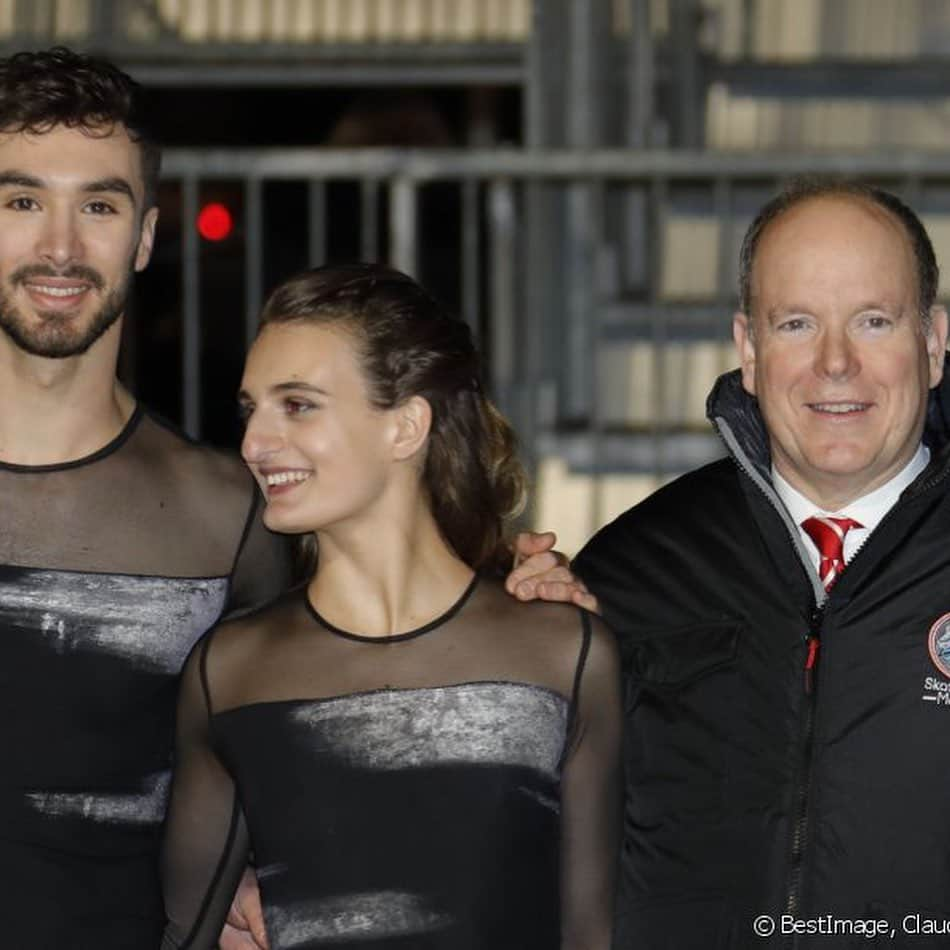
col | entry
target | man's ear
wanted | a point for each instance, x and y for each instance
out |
(413, 424)
(146, 238)
(937, 343)
(745, 349)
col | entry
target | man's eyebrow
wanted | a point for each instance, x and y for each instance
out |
(20, 179)
(776, 313)
(116, 184)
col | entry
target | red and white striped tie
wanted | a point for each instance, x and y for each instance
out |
(828, 535)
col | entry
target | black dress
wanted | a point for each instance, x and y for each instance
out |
(111, 568)
(452, 787)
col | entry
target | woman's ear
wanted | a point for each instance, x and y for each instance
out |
(413, 424)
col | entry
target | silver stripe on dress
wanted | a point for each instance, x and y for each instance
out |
(513, 724)
(151, 622)
(121, 808)
(376, 914)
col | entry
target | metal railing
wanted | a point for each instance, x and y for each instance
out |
(522, 226)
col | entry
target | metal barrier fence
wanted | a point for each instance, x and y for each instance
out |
(586, 274)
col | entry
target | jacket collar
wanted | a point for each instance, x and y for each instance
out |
(735, 415)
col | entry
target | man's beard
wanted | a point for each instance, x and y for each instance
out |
(57, 336)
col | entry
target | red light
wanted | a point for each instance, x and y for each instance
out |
(215, 222)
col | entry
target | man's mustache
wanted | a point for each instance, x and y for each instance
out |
(73, 272)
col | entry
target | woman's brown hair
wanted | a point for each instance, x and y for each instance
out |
(409, 345)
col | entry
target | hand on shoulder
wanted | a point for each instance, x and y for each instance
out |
(541, 573)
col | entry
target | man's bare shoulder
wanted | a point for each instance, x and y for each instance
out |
(164, 443)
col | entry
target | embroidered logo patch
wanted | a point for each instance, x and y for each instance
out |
(937, 688)
(938, 642)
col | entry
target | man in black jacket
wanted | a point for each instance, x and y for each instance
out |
(788, 699)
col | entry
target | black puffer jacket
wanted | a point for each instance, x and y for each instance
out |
(754, 787)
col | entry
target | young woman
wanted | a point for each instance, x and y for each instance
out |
(417, 759)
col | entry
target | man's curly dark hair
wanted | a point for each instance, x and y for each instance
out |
(43, 89)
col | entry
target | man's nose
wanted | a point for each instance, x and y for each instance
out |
(60, 242)
(836, 357)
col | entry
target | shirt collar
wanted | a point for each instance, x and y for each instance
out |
(869, 509)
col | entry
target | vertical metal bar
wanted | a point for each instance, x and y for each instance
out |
(748, 30)
(317, 222)
(501, 218)
(191, 293)
(581, 117)
(581, 236)
(634, 236)
(640, 75)
(253, 256)
(688, 95)
(590, 46)
(542, 357)
(596, 193)
(545, 253)
(369, 219)
(635, 239)
(103, 31)
(659, 198)
(545, 57)
(403, 225)
(471, 256)
(722, 204)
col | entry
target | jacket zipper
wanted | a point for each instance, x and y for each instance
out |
(800, 827)
(810, 670)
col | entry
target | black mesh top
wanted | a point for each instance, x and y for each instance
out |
(111, 567)
(456, 786)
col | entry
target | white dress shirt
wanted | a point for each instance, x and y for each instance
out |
(868, 510)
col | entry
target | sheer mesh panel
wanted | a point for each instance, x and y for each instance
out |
(457, 786)
(150, 503)
(111, 568)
